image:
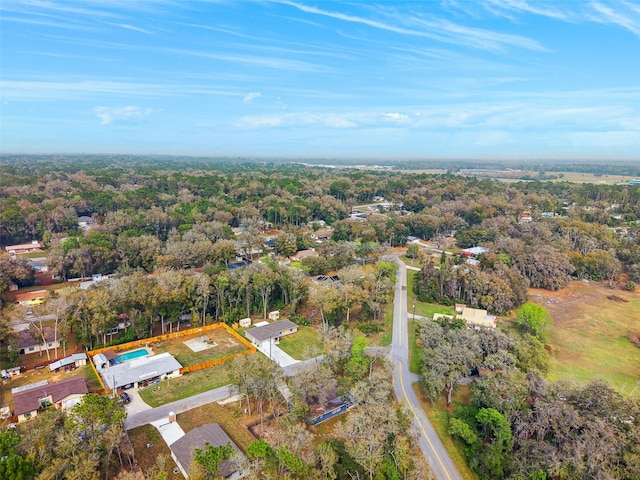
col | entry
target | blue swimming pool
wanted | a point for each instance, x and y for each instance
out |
(124, 357)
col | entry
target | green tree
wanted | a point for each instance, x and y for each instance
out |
(211, 457)
(13, 465)
(533, 319)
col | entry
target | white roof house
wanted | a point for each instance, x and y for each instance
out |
(137, 372)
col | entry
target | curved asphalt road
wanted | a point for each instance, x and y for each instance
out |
(434, 452)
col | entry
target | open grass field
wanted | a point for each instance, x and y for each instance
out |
(589, 338)
(305, 344)
(439, 418)
(185, 386)
(146, 457)
(226, 344)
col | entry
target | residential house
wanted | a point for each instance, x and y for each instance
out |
(29, 299)
(263, 335)
(321, 236)
(299, 255)
(477, 318)
(72, 362)
(183, 450)
(474, 251)
(34, 246)
(138, 372)
(29, 343)
(474, 317)
(85, 222)
(64, 395)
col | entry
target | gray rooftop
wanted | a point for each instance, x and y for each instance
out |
(211, 433)
(272, 330)
(138, 369)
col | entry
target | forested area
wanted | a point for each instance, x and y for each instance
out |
(167, 231)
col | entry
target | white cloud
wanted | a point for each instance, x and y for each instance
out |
(251, 96)
(128, 115)
(126, 26)
(395, 116)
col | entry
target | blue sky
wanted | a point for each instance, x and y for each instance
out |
(418, 79)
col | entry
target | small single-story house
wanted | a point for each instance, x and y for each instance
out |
(272, 332)
(478, 318)
(321, 236)
(69, 363)
(64, 395)
(183, 450)
(474, 251)
(28, 343)
(138, 372)
(29, 299)
(85, 222)
(474, 317)
(298, 256)
(34, 246)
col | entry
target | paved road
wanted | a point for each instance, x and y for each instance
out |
(431, 446)
(139, 413)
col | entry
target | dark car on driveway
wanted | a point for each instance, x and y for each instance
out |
(124, 397)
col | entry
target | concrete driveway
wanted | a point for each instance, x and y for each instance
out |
(278, 355)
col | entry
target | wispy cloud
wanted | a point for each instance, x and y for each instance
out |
(249, 97)
(437, 29)
(122, 115)
(627, 15)
(540, 8)
(126, 26)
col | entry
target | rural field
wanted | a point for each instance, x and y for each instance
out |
(590, 335)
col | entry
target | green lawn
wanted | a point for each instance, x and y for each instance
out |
(305, 344)
(215, 413)
(589, 336)
(439, 417)
(185, 386)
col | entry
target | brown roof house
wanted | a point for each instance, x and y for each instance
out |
(29, 343)
(64, 395)
(183, 450)
(34, 246)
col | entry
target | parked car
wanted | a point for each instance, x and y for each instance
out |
(124, 397)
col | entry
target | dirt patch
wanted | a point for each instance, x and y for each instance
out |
(635, 338)
(569, 303)
(616, 298)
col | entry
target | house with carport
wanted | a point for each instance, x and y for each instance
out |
(137, 373)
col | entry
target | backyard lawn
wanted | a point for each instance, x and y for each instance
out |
(222, 342)
(305, 344)
(185, 386)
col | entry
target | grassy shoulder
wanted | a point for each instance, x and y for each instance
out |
(185, 386)
(303, 345)
(439, 415)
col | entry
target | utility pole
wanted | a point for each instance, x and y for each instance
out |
(413, 318)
